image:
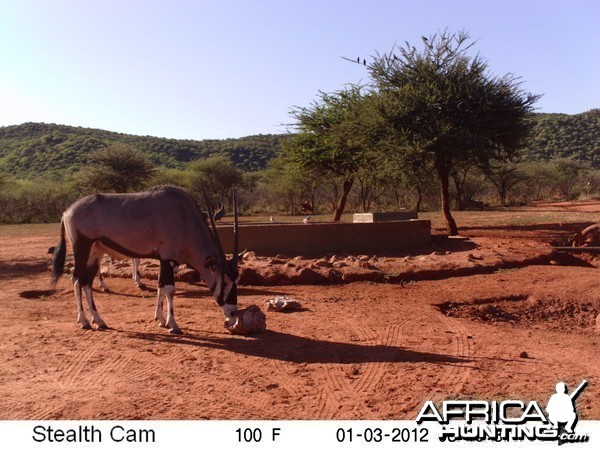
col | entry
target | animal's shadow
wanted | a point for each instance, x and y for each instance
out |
(193, 293)
(298, 349)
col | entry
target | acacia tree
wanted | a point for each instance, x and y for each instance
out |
(447, 109)
(505, 177)
(117, 168)
(217, 175)
(335, 138)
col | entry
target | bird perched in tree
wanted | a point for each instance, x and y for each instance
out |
(426, 42)
(306, 219)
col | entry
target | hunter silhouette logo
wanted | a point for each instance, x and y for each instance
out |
(481, 420)
(561, 410)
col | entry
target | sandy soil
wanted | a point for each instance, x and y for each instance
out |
(491, 317)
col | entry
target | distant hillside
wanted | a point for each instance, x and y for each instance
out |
(34, 148)
(574, 136)
(37, 148)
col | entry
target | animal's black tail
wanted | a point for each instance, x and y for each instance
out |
(59, 256)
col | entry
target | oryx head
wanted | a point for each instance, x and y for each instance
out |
(222, 273)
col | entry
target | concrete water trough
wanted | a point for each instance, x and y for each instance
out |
(384, 216)
(328, 237)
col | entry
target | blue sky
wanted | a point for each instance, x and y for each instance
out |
(219, 69)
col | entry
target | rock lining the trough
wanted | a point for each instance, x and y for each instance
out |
(281, 304)
(444, 259)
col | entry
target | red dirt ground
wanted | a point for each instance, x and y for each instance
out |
(497, 316)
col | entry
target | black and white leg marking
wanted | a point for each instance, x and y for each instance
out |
(136, 272)
(90, 273)
(81, 318)
(166, 287)
(83, 278)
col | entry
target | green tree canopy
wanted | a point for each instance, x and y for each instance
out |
(217, 175)
(443, 105)
(335, 137)
(117, 168)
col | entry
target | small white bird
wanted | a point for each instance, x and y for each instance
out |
(306, 219)
(272, 219)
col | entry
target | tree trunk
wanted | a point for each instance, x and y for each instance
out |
(419, 198)
(342, 203)
(460, 203)
(450, 223)
(502, 193)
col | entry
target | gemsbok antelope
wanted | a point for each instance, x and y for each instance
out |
(161, 223)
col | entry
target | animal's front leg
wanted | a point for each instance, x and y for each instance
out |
(103, 285)
(171, 324)
(136, 273)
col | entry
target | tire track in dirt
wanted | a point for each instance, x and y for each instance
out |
(253, 394)
(455, 375)
(43, 412)
(344, 383)
(71, 370)
(285, 375)
(141, 372)
(107, 372)
(373, 369)
(347, 387)
(33, 411)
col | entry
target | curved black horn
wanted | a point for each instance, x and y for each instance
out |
(212, 221)
(236, 237)
(220, 213)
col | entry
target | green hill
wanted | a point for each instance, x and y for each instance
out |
(574, 136)
(35, 148)
(32, 149)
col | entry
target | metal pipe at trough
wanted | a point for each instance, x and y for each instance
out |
(327, 237)
(595, 250)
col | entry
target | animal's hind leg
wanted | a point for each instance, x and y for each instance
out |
(91, 270)
(81, 253)
(81, 318)
(166, 283)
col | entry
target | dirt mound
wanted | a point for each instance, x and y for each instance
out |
(569, 316)
(547, 297)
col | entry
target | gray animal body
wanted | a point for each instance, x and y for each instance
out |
(101, 251)
(161, 223)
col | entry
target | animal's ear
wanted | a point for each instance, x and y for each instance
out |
(211, 263)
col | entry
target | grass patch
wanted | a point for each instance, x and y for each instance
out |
(30, 229)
